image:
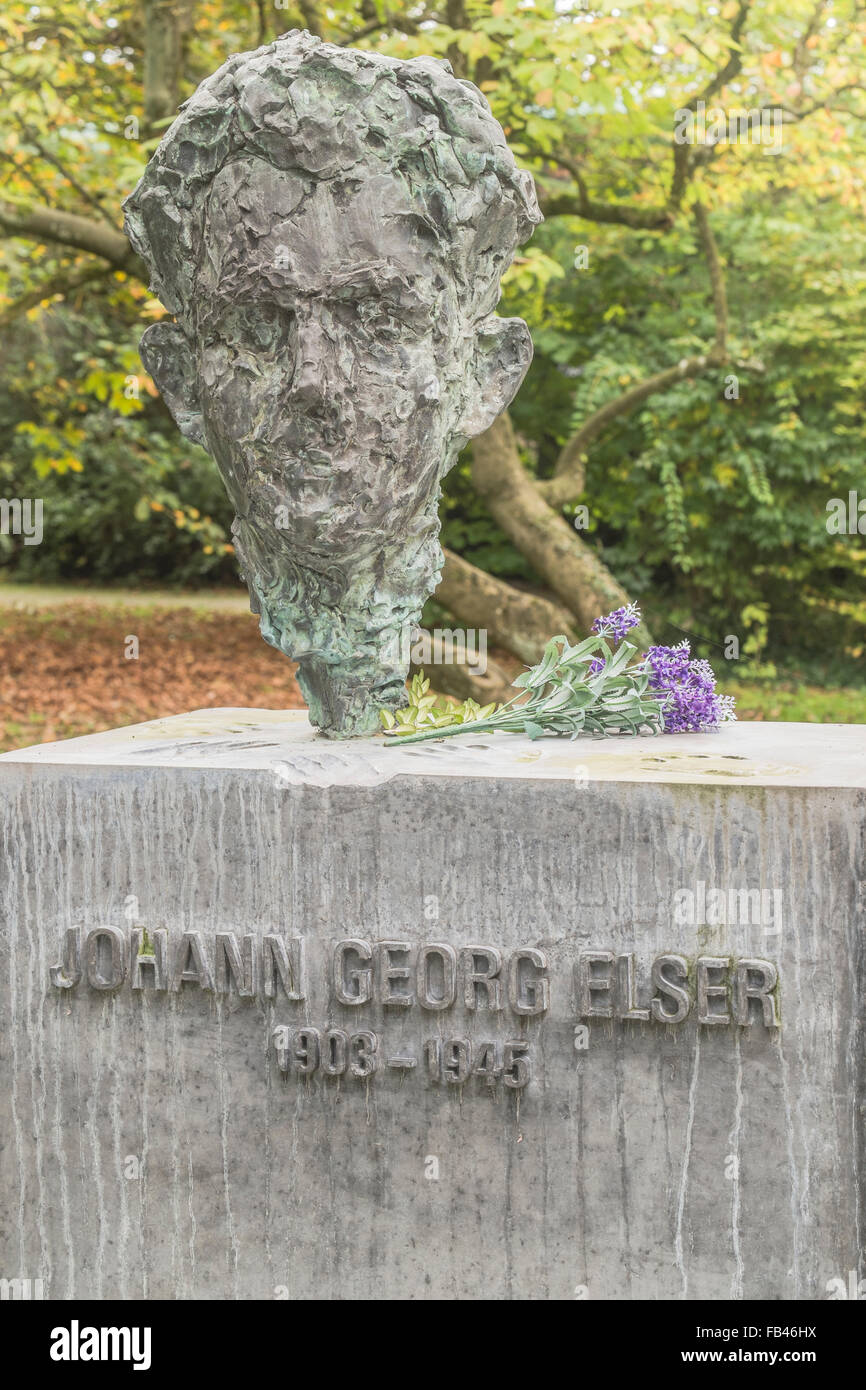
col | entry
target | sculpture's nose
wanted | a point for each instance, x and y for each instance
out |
(310, 382)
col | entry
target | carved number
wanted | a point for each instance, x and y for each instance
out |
(364, 1049)
(335, 1052)
(305, 1050)
(457, 1059)
(451, 1061)
(516, 1064)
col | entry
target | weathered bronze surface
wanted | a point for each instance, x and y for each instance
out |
(329, 229)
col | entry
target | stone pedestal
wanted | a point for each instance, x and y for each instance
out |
(480, 1019)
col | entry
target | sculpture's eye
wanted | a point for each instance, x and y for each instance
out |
(379, 320)
(255, 327)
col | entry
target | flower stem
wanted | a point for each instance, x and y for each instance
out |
(471, 725)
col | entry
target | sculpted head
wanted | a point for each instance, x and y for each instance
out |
(329, 229)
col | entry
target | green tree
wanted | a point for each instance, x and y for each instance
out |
(612, 109)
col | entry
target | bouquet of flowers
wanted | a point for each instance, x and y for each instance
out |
(601, 686)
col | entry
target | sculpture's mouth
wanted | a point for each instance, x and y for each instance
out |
(312, 465)
(297, 467)
(344, 471)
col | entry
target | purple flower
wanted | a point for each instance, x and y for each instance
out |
(690, 686)
(618, 623)
(595, 666)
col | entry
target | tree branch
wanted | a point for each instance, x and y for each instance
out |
(717, 281)
(52, 159)
(569, 474)
(310, 17)
(64, 282)
(570, 470)
(825, 104)
(566, 563)
(683, 154)
(800, 61)
(162, 23)
(262, 22)
(582, 205)
(521, 622)
(69, 229)
(26, 172)
(685, 159)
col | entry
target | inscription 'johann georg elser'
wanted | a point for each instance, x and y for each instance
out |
(396, 974)
(433, 976)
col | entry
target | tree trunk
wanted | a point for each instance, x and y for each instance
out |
(445, 679)
(165, 22)
(571, 568)
(520, 622)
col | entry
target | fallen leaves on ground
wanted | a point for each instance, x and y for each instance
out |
(64, 671)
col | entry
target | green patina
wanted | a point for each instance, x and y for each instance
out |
(329, 228)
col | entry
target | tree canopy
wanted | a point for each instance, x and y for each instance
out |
(695, 297)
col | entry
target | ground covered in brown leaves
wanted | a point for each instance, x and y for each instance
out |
(63, 670)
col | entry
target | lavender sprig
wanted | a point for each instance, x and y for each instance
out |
(565, 697)
(692, 703)
(584, 689)
(619, 622)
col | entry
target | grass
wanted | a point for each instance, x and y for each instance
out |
(798, 702)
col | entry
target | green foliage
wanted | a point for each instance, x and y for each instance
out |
(710, 509)
(797, 701)
(426, 711)
(707, 507)
(559, 695)
(124, 496)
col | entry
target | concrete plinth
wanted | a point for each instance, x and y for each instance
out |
(480, 1019)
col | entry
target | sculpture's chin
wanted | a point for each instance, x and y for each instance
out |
(342, 703)
(347, 626)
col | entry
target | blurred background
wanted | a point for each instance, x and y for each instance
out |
(691, 433)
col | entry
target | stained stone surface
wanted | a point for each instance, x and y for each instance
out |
(153, 1145)
(329, 229)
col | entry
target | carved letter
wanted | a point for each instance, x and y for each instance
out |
(156, 958)
(707, 991)
(352, 986)
(244, 971)
(679, 966)
(532, 995)
(97, 977)
(190, 964)
(388, 971)
(589, 984)
(68, 973)
(626, 994)
(486, 978)
(763, 991)
(289, 966)
(448, 956)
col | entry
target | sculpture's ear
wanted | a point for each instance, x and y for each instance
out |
(165, 352)
(503, 352)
